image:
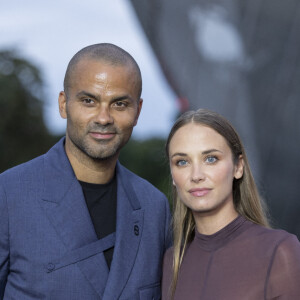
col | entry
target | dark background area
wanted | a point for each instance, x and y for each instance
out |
(241, 59)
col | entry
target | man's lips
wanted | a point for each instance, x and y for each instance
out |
(102, 135)
(199, 192)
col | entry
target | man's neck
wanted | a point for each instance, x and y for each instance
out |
(91, 170)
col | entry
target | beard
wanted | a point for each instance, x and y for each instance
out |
(99, 149)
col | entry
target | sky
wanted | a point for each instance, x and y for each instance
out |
(49, 33)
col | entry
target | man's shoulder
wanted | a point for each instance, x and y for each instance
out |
(136, 180)
(26, 169)
(140, 185)
(22, 169)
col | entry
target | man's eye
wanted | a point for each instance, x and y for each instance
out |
(88, 100)
(211, 159)
(181, 162)
(120, 104)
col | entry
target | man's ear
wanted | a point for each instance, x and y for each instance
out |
(239, 168)
(140, 104)
(62, 104)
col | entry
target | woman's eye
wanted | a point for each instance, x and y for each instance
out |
(211, 159)
(181, 163)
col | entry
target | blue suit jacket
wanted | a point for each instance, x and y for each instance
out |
(48, 246)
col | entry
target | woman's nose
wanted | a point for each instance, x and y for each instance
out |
(197, 174)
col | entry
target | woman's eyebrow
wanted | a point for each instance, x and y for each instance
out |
(178, 154)
(203, 152)
(210, 151)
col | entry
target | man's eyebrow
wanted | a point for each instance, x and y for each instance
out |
(87, 94)
(120, 98)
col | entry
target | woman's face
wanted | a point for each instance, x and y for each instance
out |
(202, 169)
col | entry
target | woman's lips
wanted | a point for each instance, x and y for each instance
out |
(199, 192)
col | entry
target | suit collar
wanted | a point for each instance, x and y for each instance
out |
(130, 219)
(126, 184)
(63, 200)
(64, 204)
(58, 173)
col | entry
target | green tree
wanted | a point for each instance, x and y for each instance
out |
(23, 134)
(147, 159)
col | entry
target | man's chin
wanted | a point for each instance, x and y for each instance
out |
(102, 155)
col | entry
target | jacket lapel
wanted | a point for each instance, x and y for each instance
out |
(65, 207)
(128, 236)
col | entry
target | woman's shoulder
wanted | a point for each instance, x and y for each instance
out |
(288, 245)
(272, 236)
(284, 267)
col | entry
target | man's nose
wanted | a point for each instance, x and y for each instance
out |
(103, 116)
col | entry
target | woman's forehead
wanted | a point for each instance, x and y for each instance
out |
(199, 136)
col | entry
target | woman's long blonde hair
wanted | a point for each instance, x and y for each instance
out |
(245, 195)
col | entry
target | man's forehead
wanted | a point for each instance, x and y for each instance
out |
(102, 71)
(89, 69)
(86, 63)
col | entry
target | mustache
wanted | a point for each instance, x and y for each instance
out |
(103, 128)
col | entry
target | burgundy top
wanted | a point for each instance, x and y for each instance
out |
(241, 261)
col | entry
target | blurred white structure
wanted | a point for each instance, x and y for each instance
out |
(49, 33)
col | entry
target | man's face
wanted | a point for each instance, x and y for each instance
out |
(101, 108)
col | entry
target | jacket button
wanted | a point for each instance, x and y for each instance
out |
(136, 230)
(50, 267)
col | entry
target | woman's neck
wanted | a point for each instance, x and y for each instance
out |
(209, 223)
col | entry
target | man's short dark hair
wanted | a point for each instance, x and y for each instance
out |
(108, 53)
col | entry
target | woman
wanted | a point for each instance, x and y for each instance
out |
(223, 248)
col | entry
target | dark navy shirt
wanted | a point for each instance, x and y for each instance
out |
(101, 200)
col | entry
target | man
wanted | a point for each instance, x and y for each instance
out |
(74, 223)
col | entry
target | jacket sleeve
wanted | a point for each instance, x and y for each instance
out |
(168, 228)
(284, 273)
(4, 245)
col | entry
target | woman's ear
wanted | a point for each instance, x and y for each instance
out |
(239, 168)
